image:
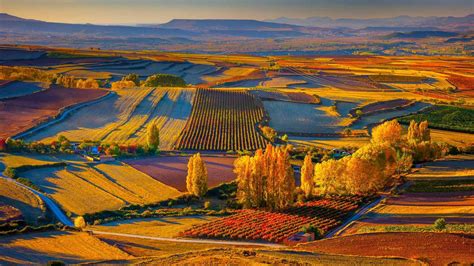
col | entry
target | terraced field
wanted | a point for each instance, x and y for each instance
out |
(124, 117)
(81, 188)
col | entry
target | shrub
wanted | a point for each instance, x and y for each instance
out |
(79, 222)
(440, 224)
(207, 205)
(164, 80)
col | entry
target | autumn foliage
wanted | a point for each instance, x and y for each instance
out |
(196, 180)
(265, 180)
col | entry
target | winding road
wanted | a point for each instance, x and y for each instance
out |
(51, 204)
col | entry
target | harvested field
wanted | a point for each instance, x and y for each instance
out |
(15, 160)
(330, 142)
(30, 205)
(434, 248)
(81, 189)
(124, 118)
(70, 247)
(284, 82)
(19, 88)
(20, 114)
(297, 97)
(375, 118)
(223, 120)
(457, 139)
(172, 171)
(156, 227)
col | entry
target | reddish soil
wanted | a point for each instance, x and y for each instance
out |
(4, 82)
(461, 82)
(22, 113)
(434, 248)
(9, 213)
(172, 170)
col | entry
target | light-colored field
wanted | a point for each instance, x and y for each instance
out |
(72, 248)
(125, 117)
(282, 82)
(452, 167)
(30, 205)
(80, 189)
(156, 227)
(306, 118)
(15, 160)
(330, 143)
(458, 139)
(229, 73)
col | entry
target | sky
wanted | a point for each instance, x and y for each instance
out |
(159, 11)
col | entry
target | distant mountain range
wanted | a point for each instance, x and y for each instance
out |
(454, 23)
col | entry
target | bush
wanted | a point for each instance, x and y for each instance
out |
(164, 80)
(207, 205)
(55, 263)
(79, 222)
(440, 224)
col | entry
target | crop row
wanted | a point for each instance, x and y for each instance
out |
(223, 120)
(324, 213)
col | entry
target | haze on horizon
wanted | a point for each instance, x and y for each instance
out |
(160, 11)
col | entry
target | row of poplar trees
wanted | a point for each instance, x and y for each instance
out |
(265, 180)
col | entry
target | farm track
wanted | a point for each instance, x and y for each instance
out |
(183, 240)
(50, 203)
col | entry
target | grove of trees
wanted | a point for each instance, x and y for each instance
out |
(153, 137)
(164, 80)
(265, 180)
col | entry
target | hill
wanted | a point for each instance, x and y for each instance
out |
(421, 34)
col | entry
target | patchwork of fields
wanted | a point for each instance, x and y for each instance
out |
(19, 88)
(82, 188)
(124, 117)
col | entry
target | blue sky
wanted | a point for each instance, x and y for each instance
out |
(157, 11)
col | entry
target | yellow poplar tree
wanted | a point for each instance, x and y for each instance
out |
(153, 136)
(389, 131)
(307, 173)
(189, 176)
(199, 176)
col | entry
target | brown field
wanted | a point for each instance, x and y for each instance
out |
(172, 171)
(433, 248)
(251, 256)
(30, 205)
(65, 246)
(20, 114)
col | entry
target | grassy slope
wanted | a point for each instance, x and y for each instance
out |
(29, 204)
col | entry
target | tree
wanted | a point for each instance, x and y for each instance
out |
(307, 173)
(122, 84)
(389, 131)
(153, 136)
(440, 224)
(329, 176)
(164, 80)
(196, 180)
(265, 179)
(269, 133)
(418, 132)
(135, 78)
(80, 222)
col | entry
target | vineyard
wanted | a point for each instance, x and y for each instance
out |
(324, 213)
(223, 120)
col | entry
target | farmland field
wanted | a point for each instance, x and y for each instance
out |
(124, 117)
(172, 170)
(22, 113)
(19, 88)
(223, 120)
(81, 189)
(441, 189)
(324, 213)
(71, 247)
(30, 205)
(157, 227)
(434, 248)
